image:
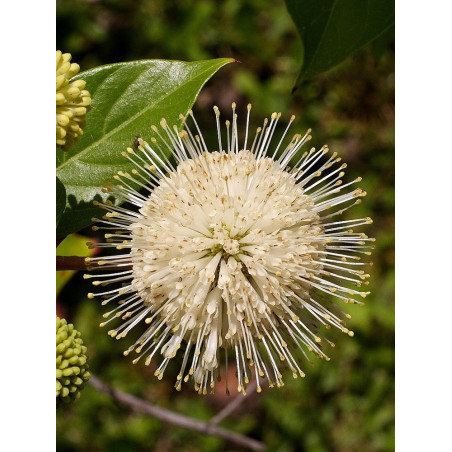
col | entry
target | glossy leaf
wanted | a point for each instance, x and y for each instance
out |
(60, 200)
(332, 29)
(127, 98)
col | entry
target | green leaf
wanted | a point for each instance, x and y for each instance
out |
(332, 29)
(60, 200)
(127, 98)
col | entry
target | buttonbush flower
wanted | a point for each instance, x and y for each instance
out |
(231, 253)
(72, 101)
(71, 363)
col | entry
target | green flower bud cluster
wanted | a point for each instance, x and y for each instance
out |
(72, 102)
(71, 363)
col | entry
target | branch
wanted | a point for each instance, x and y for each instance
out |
(79, 263)
(70, 263)
(180, 420)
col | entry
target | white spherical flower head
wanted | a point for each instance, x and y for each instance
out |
(232, 253)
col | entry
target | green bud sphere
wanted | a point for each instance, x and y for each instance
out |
(71, 362)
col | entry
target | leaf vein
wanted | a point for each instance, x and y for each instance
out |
(125, 123)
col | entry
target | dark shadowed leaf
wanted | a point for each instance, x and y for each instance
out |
(127, 98)
(332, 29)
(60, 200)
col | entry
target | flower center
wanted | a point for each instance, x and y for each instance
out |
(225, 243)
(231, 246)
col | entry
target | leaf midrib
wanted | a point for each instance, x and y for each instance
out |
(127, 122)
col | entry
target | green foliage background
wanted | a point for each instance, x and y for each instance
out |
(344, 405)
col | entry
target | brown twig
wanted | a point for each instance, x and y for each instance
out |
(70, 263)
(232, 405)
(180, 420)
(79, 263)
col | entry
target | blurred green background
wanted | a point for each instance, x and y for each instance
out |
(343, 405)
